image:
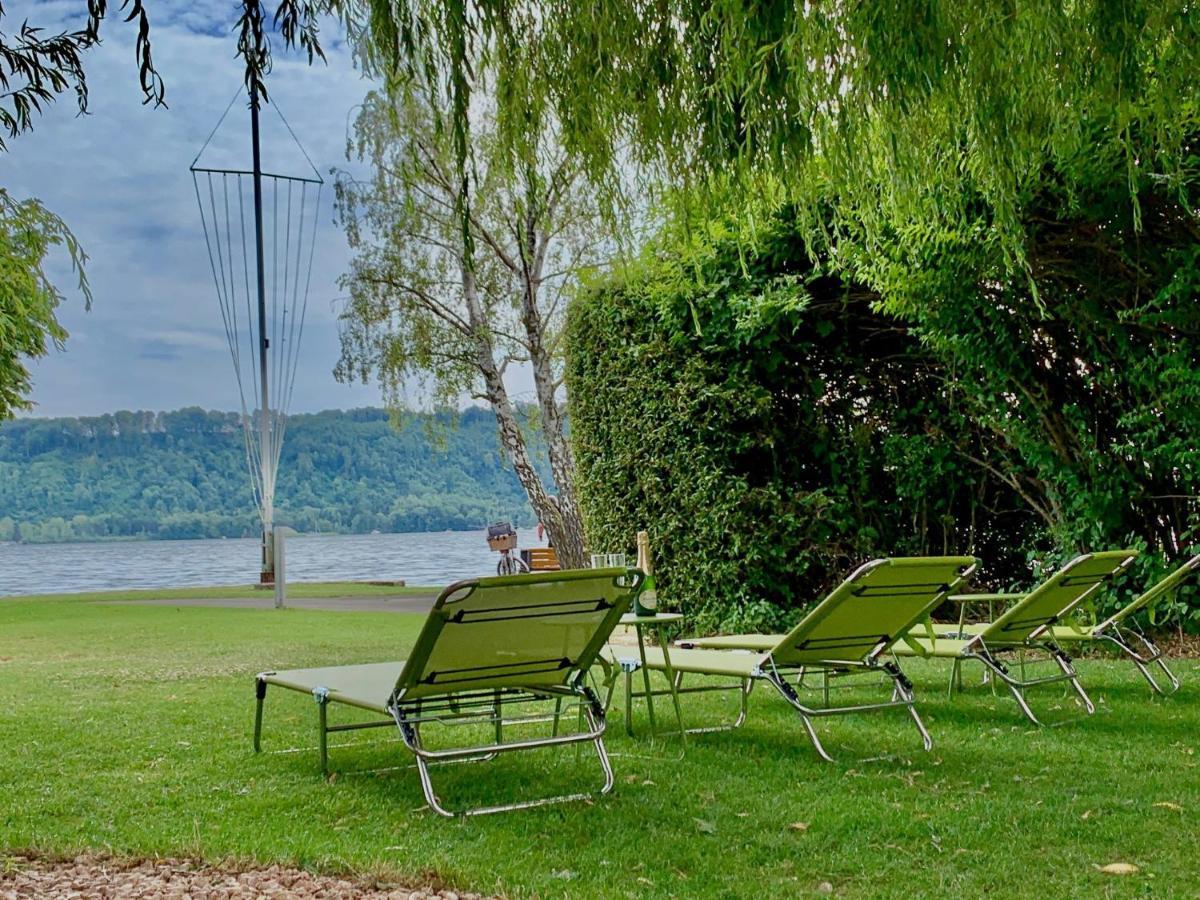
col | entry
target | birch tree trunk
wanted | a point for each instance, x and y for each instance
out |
(566, 531)
(459, 275)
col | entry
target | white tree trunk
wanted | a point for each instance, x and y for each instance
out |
(567, 532)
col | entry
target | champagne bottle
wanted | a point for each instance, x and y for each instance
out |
(647, 601)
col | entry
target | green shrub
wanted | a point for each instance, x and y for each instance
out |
(773, 425)
(770, 430)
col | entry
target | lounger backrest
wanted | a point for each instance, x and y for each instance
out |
(865, 615)
(520, 631)
(1168, 584)
(1054, 599)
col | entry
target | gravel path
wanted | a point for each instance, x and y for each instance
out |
(88, 877)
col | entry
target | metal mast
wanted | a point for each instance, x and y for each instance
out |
(264, 344)
(263, 324)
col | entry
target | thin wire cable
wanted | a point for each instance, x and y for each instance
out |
(290, 326)
(288, 301)
(288, 126)
(254, 449)
(212, 133)
(312, 247)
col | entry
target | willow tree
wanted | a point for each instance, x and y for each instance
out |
(878, 117)
(456, 279)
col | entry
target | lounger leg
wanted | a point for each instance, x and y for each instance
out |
(601, 753)
(260, 694)
(955, 678)
(1064, 663)
(322, 697)
(591, 709)
(1155, 656)
(413, 737)
(998, 668)
(790, 695)
(902, 689)
(610, 689)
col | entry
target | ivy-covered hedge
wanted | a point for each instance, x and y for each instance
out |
(772, 427)
(770, 430)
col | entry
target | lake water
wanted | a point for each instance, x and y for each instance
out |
(434, 558)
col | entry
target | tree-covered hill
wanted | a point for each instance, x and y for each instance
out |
(183, 474)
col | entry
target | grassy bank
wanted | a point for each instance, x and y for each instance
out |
(127, 729)
(314, 589)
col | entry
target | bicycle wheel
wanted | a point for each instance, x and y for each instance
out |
(510, 565)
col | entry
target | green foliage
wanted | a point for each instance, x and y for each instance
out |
(28, 299)
(183, 475)
(908, 112)
(773, 426)
(770, 430)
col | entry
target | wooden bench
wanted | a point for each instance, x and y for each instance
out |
(541, 559)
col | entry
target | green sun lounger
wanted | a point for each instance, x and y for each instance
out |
(488, 644)
(846, 635)
(1112, 631)
(1025, 626)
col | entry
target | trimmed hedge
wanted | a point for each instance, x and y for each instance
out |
(771, 431)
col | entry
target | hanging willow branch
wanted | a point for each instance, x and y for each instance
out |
(945, 111)
(35, 68)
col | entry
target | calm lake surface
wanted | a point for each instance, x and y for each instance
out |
(434, 558)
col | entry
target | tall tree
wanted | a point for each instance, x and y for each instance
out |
(905, 114)
(454, 279)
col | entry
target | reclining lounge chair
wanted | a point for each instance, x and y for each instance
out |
(1124, 639)
(846, 635)
(1025, 626)
(488, 643)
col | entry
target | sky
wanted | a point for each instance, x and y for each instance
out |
(119, 177)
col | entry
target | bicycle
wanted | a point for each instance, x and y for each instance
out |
(511, 564)
(502, 538)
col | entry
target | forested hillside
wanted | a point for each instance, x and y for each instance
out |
(183, 474)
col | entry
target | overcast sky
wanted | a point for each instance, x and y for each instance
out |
(119, 178)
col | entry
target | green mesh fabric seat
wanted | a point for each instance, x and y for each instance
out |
(847, 635)
(1027, 625)
(1114, 631)
(488, 644)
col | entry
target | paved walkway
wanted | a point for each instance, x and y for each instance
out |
(419, 603)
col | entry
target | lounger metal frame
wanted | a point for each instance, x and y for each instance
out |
(408, 710)
(1033, 634)
(980, 652)
(902, 697)
(874, 665)
(1111, 630)
(1120, 638)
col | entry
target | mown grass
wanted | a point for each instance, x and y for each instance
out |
(307, 589)
(127, 729)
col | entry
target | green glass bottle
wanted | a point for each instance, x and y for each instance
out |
(646, 603)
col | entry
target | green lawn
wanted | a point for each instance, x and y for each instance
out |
(248, 591)
(127, 729)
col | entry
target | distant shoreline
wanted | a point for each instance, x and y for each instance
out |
(147, 539)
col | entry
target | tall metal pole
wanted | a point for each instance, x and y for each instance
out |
(266, 453)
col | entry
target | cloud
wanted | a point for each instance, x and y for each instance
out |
(119, 178)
